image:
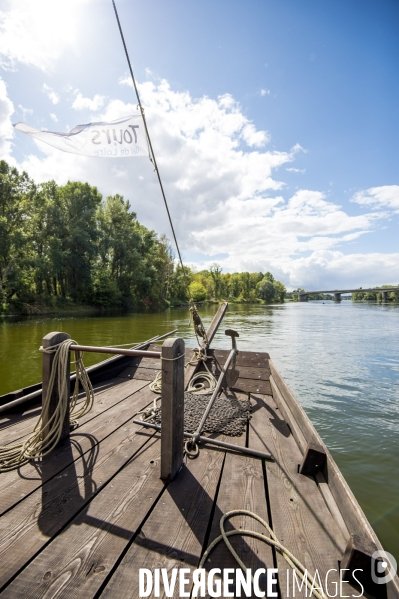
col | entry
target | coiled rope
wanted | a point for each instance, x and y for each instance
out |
(44, 438)
(272, 540)
(195, 386)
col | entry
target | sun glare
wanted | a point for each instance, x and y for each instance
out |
(39, 32)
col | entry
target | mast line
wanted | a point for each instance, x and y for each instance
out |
(152, 157)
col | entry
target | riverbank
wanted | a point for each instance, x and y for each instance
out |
(69, 308)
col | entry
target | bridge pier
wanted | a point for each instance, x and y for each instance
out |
(384, 296)
(337, 297)
(303, 297)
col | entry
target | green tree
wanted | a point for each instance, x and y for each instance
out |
(197, 291)
(265, 290)
(15, 188)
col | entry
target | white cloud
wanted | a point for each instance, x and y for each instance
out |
(25, 111)
(335, 270)
(223, 193)
(54, 117)
(6, 129)
(38, 33)
(81, 103)
(385, 196)
(296, 170)
(51, 94)
(265, 92)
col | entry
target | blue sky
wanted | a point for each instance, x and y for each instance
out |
(274, 123)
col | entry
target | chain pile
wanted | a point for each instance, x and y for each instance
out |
(228, 415)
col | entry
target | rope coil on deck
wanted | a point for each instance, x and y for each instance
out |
(194, 385)
(272, 540)
(43, 440)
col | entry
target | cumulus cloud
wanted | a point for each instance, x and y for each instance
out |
(334, 270)
(6, 130)
(80, 103)
(51, 94)
(385, 196)
(54, 117)
(224, 192)
(265, 92)
(38, 33)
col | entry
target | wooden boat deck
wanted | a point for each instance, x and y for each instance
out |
(83, 522)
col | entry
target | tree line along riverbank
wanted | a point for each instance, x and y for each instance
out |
(66, 247)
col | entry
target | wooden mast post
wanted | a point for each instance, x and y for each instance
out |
(172, 423)
(49, 340)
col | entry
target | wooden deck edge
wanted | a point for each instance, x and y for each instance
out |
(304, 432)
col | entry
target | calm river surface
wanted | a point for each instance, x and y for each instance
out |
(340, 360)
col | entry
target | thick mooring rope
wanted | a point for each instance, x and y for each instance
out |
(272, 540)
(44, 439)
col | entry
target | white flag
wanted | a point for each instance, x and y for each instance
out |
(122, 138)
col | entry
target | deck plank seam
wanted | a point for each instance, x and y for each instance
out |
(95, 416)
(212, 512)
(80, 455)
(118, 561)
(37, 410)
(76, 514)
(270, 519)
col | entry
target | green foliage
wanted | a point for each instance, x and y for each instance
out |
(67, 243)
(270, 290)
(197, 291)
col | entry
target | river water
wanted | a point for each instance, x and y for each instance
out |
(340, 360)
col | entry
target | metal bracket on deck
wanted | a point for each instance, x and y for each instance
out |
(206, 440)
(313, 460)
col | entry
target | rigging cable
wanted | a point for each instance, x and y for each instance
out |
(152, 156)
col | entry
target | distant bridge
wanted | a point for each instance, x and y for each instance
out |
(303, 295)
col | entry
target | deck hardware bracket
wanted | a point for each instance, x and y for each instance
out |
(313, 460)
(208, 441)
(232, 374)
(359, 556)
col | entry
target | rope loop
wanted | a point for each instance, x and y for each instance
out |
(45, 438)
(272, 540)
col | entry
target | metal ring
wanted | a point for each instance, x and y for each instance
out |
(191, 454)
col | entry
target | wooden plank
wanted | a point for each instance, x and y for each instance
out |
(16, 485)
(76, 561)
(191, 369)
(174, 534)
(143, 374)
(244, 358)
(213, 327)
(172, 408)
(25, 529)
(148, 363)
(300, 517)
(24, 427)
(289, 418)
(250, 386)
(254, 373)
(242, 487)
